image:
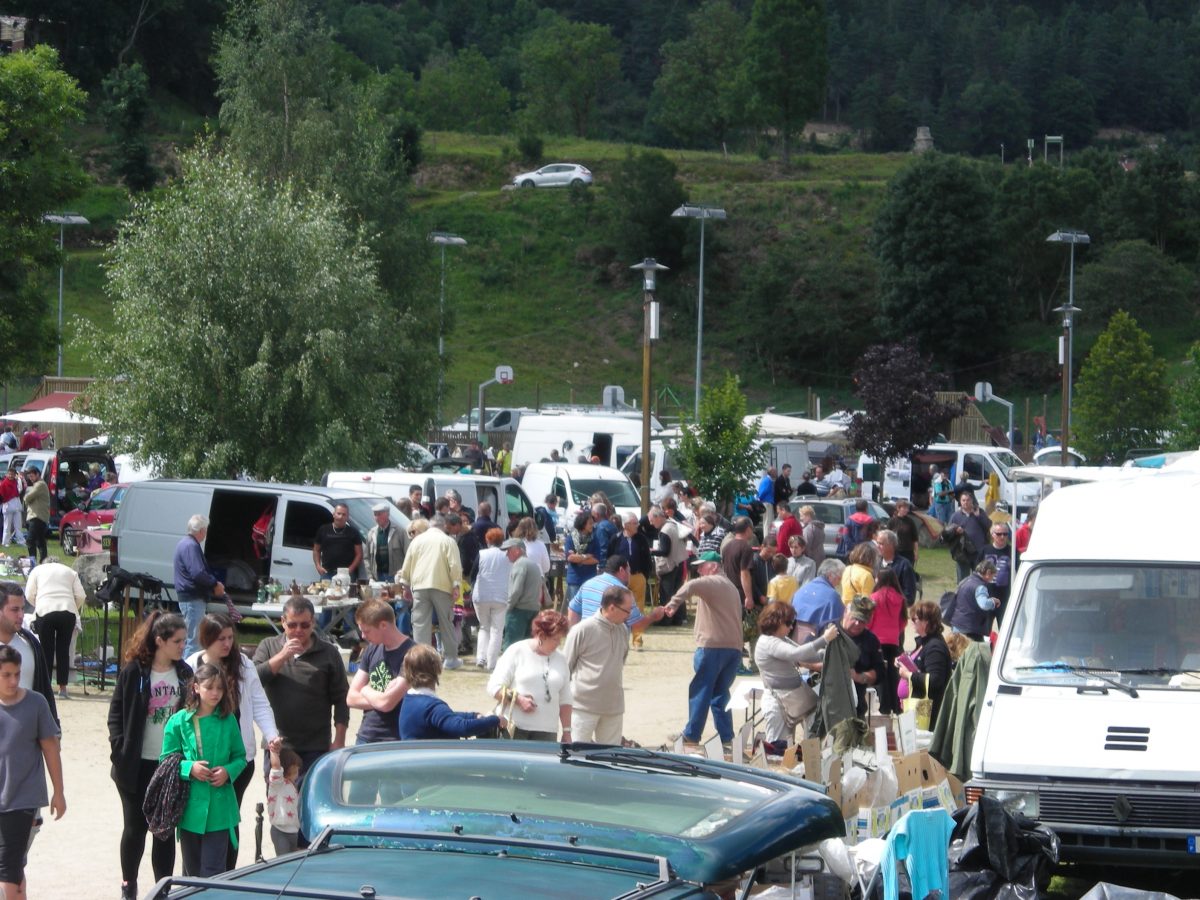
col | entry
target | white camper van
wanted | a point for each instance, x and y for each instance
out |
(910, 477)
(574, 485)
(1089, 719)
(611, 436)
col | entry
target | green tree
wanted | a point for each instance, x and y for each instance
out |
(1185, 403)
(990, 114)
(566, 68)
(1121, 400)
(245, 317)
(463, 93)
(1136, 277)
(700, 95)
(38, 174)
(935, 242)
(786, 64)
(718, 454)
(643, 194)
(125, 107)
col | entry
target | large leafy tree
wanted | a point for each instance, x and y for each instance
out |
(1121, 400)
(786, 64)
(643, 194)
(38, 174)
(699, 97)
(1185, 397)
(936, 245)
(567, 68)
(1137, 277)
(719, 454)
(897, 388)
(463, 93)
(250, 335)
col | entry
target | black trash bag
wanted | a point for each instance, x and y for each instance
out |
(993, 855)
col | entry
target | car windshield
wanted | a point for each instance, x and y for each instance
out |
(508, 783)
(1087, 625)
(619, 493)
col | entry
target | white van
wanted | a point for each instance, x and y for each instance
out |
(613, 437)
(574, 484)
(1089, 720)
(910, 477)
(395, 483)
(154, 517)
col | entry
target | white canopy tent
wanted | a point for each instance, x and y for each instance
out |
(775, 425)
(54, 415)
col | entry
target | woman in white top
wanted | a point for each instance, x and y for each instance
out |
(56, 594)
(527, 531)
(490, 597)
(536, 673)
(219, 644)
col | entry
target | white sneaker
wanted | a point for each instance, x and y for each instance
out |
(451, 664)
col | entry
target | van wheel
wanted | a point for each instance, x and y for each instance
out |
(67, 539)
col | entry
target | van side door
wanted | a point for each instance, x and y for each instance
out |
(516, 504)
(296, 524)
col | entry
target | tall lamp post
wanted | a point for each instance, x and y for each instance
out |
(649, 269)
(703, 213)
(1068, 313)
(62, 220)
(444, 239)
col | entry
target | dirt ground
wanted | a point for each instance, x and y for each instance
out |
(77, 856)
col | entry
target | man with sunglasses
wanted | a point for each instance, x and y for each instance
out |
(999, 551)
(305, 682)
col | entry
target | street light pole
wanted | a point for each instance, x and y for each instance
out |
(650, 320)
(444, 239)
(703, 213)
(1068, 312)
(62, 220)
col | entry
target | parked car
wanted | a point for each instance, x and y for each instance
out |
(98, 509)
(833, 513)
(554, 175)
(63, 470)
(503, 819)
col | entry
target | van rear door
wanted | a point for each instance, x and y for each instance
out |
(153, 519)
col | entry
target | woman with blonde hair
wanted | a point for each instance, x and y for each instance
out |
(859, 578)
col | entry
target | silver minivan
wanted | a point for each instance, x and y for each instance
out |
(257, 530)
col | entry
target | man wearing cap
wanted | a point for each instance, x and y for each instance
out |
(586, 602)
(526, 590)
(868, 669)
(718, 632)
(386, 545)
(432, 575)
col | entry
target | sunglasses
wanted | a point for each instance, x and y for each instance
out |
(303, 626)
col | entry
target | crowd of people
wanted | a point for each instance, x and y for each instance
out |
(773, 605)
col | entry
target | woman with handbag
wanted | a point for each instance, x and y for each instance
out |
(788, 699)
(931, 659)
(219, 644)
(207, 735)
(148, 690)
(533, 674)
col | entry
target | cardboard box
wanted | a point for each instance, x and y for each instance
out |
(874, 822)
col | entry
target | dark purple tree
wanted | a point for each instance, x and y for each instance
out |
(897, 388)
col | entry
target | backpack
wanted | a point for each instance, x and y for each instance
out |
(166, 797)
(850, 536)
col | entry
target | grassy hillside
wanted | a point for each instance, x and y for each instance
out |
(538, 288)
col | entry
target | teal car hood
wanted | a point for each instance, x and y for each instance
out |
(711, 821)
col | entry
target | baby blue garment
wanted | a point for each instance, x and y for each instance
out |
(921, 838)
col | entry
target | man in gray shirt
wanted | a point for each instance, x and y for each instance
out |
(526, 588)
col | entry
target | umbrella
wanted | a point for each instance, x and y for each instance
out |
(775, 425)
(55, 415)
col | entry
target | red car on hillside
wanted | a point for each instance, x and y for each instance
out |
(98, 509)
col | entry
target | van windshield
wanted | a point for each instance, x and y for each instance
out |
(1085, 625)
(1005, 461)
(619, 493)
(363, 519)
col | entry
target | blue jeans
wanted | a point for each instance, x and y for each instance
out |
(193, 608)
(715, 671)
(404, 616)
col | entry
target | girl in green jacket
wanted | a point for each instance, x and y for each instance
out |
(206, 733)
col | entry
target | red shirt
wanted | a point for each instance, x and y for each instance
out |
(8, 489)
(789, 527)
